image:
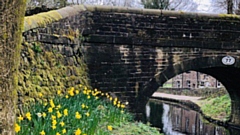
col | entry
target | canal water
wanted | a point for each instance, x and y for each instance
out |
(176, 120)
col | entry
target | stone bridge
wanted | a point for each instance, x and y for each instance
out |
(131, 52)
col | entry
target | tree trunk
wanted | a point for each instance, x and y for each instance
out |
(11, 24)
(229, 6)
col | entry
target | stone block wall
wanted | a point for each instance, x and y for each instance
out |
(52, 58)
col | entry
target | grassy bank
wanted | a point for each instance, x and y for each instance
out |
(79, 111)
(216, 107)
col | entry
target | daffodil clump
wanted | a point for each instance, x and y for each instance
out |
(73, 112)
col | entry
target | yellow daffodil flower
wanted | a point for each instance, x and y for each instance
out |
(58, 106)
(44, 114)
(78, 115)
(78, 132)
(65, 112)
(20, 118)
(109, 128)
(71, 93)
(87, 114)
(28, 116)
(50, 110)
(62, 123)
(54, 122)
(52, 103)
(17, 128)
(64, 131)
(42, 132)
(83, 106)
(53, 117)
(59, 115)
(54, 127)
(89, 91)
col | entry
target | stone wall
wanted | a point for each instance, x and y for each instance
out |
(52, 56)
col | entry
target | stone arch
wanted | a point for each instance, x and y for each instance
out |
(229, 76)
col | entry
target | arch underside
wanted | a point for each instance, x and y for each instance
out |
(229, 76)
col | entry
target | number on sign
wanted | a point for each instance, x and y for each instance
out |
(228, 60)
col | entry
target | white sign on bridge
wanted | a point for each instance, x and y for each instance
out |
(228, 60)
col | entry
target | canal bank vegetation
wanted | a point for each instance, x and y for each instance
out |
(79, 111)
(216, 107)
(215, 102)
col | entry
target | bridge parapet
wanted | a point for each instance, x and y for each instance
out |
(179, 30)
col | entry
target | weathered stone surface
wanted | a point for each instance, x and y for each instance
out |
(68, 51)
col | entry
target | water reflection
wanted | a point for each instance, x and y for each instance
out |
(168, 127)
(175, 120)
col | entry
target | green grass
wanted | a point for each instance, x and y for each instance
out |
(79, 111)
(167, 85)
(217, 107)
(130, 128)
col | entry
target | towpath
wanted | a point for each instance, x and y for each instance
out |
(177, 97)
